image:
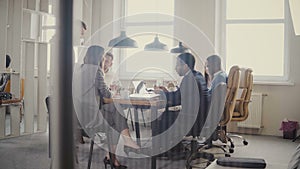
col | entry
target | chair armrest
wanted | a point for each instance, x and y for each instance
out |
(107, 100)
(239, 100)
(10, 101)
(248, 101)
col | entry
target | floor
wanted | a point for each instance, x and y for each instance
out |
(31, 152)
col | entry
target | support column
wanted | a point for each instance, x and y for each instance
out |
(15, 120)
(42, 85)
(29, 86)
(2, 122)
(3, 32)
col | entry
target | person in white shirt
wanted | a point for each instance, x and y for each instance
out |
(217, 76)
(109, 57)
(214, 68)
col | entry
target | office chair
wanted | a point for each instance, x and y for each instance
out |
(47, 101)
(298, 137)
(231, 94)
(48, 106)
(295, 159)
(215, 112)
(8, 89)
(241, 110)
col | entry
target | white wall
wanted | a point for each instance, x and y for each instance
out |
(200, 13)
(282, 101)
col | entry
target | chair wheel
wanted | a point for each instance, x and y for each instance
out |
(245, 142)
(231, 150)
(188, 167)
(210, 157)
(232, 145)
(227, 155)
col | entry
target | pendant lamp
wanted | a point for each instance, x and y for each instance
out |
(122, 41)
(180, 49)
(156, 45)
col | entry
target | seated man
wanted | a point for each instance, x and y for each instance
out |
(193, 87)
(217, 76)
(213, 65)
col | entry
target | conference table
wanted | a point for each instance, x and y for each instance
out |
(152, 103)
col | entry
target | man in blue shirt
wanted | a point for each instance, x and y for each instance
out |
(217, 75)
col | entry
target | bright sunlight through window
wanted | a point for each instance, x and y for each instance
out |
(255, 32)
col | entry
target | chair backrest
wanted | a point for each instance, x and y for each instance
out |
(216, 110)
(249, 91)
(231, 94)
(47, 101)
(241, 111)
(8, 85)
(196, 102)
(22, 89)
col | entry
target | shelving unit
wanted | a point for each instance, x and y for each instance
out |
(27, 27)
(37, 30)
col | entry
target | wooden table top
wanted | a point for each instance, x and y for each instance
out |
(136, 102)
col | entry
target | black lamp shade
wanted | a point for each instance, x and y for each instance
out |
(156, 45)
(122, 42)
(180, 49)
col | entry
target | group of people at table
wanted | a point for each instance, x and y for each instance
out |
(114, 116)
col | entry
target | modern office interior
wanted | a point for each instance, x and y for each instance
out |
(47, 40)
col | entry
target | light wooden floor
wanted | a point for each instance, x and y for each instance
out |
(31, 152)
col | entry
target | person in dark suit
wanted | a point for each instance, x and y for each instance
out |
(193, 87)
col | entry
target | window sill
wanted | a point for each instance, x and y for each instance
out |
(273, 83)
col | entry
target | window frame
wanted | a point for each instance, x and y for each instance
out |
(223, 46)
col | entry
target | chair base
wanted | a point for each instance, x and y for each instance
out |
(245, 142)
(197, 152)
(298, 137)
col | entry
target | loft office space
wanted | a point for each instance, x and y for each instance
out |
(207, 16)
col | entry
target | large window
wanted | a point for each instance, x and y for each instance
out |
(143, 23)
(255, 37)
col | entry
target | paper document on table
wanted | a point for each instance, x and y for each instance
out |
(145, 96)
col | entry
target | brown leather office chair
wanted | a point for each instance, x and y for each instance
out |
(230, 102)
(241, 110)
